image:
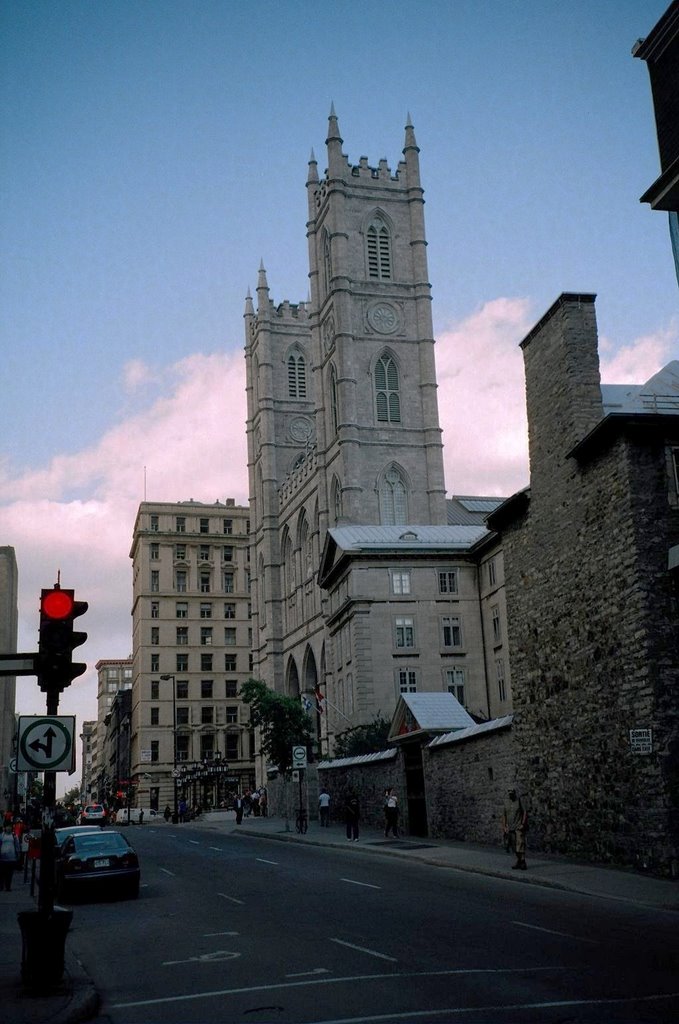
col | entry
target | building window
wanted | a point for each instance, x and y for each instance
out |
(204, 553)
(232, 744)
(204, 525)
(206, 609)
(155, 552)
(180, 552)
(232, 715)
(378, 242)
(182, 610)
(500, 677)
(154, 524)
(182, 663)
(207, 747)
(296, 375)
(492, 573)
(451, 629)
(155, 663)
(393, 504)
(228, 583)
(229, 610)
(155, 609)
(155, 635)
(405, 632)
(182, 689)
(206, 689)
(400, 581)
(227, 554)
(206, 636)
(206, 663)
(204, 582)
(228, 526)
(180, 524)
(448, 581)
(229, 662)
(181, 581)
(182, 748)
(206, 714)
(407, 680)
(229, 636)
(231, 688)
(155, 689)
(155, 581)
(387, 399)
(154, 749)
(497, 627)
(182, 636)
(155, 716)
(455, 683)
(182, 716)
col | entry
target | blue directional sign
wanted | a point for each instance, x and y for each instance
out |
(46, 744)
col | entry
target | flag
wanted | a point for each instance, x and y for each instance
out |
(320, 700)
(306, 704)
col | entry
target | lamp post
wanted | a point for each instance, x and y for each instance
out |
(165, 678)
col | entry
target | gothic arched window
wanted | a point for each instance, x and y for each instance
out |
(333, 399)
(327, 263)
(378, 239)
(296, 375)
(387, 398)
(393, 499)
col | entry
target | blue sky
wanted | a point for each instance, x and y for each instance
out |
(152, 153)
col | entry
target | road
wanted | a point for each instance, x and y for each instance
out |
(237, 929)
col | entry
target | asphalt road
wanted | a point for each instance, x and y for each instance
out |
(237, 929)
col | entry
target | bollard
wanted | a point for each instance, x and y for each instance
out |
(43, 942)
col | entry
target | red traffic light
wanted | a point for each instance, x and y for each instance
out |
(56, 604)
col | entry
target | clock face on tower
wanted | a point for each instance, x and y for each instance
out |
(384, 318)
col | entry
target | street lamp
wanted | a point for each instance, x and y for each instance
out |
(165, 678)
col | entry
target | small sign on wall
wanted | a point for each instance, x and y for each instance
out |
(641, 741)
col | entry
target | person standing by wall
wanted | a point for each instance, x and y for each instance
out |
(324, 807)
(515, 826)
(352, 814)
(390, 813)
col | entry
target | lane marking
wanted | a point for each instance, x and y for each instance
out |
(214, 935)
(363, 949)
(194, 842)
(367, 885)
(550, 931)
(171, 873)
(206, 958)
(307, 974)
(348, 979)
(231, 899)
(263, 861)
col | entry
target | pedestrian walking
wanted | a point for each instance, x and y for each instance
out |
(10, 856)
(390, 813)
(324, 807)
(515, 826)
(352, 814)
(238, 808)
(182, 809)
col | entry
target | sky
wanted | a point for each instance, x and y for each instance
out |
(153, 153)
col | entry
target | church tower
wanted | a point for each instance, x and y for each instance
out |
(342, 421)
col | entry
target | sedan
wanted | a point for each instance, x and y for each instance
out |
(102, 861)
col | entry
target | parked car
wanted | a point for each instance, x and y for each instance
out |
(93, 814)
(97, 861)
(132, 815)
(62, 834)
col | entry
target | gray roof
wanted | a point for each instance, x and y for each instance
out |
(379, 538)
(660, 394)
(474, 730)
(469, 510)
(427, 712)
(347, 762)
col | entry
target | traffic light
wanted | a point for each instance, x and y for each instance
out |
(58, 609)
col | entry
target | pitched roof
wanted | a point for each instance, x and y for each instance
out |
(427, 713)
(494, 725)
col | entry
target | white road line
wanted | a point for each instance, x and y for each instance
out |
(171, 873)
(366, 885)
(308, 974)
(194, 842)
(217, 848)
(263, 861)
(362, 949)
(214, 935)
(348, 979)
(231, 899)
(564, 935)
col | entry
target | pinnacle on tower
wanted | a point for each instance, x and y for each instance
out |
(313, 168)
(334, 141)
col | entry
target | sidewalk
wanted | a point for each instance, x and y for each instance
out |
(76, 999)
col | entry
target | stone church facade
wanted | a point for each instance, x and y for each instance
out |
(343, 433)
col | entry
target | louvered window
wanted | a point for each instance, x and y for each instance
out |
(296, 376)
(379, 251)
(387, 399)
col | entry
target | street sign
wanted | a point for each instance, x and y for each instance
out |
(46, 744)
(17, 665)
(299, 757)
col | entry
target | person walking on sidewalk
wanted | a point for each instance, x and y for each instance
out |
(515, 826)
(352, 814)
(10, 855)
(390, 813)
(324, 807)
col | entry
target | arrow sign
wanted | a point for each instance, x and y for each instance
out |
(46, 744)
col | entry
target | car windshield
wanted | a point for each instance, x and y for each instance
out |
(112, 842)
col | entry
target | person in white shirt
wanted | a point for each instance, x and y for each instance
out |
(324, 807)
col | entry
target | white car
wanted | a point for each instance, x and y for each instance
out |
(132, 815)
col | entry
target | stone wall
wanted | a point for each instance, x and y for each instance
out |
(368, 779)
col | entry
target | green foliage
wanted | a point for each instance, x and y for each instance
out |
(363, 739)
(282, 721)
(71, 796)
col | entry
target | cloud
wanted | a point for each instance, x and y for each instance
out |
(636, 363)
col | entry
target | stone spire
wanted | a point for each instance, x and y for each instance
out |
(336, 162)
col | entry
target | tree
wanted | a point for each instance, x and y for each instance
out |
(282, 720)
(71, 796)
(363, 739)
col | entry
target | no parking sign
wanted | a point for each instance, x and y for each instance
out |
(299, 757)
